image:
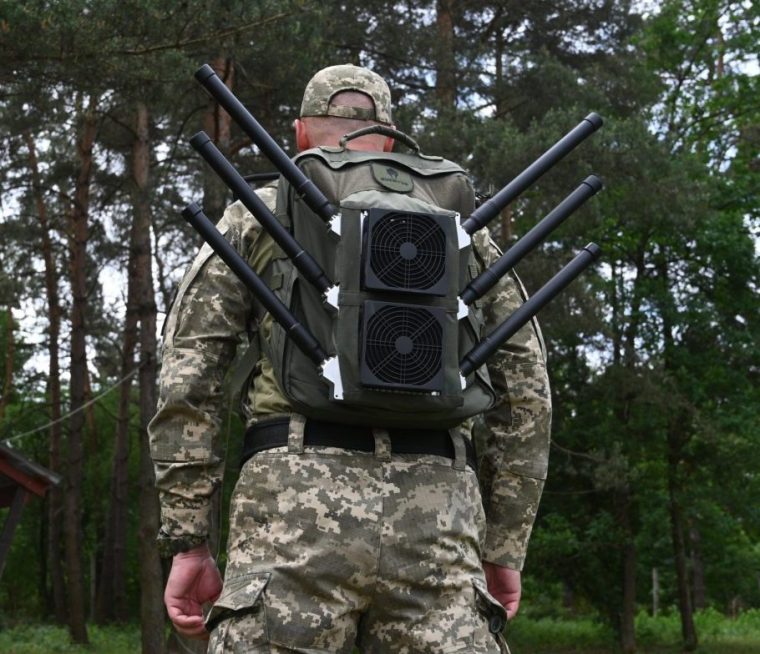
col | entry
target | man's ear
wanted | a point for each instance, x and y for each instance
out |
(302, 135)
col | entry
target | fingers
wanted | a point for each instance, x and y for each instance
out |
(197, 633)
(511, 606)
(509, 601)
(184, 615)
(188, 625)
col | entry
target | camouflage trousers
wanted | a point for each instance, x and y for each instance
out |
(331, 549)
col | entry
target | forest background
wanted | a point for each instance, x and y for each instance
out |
(653, 497)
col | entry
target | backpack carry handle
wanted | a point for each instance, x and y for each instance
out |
(385, 131)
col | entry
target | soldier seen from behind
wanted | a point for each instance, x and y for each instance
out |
(388, 538)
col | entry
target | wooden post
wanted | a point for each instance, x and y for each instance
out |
(11, 522)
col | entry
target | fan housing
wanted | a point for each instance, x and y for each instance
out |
(406, 251)
(402, 346)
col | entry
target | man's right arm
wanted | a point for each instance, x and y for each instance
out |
(203, 328)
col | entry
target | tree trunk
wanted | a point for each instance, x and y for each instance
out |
(697, 568)
(498, 80)
(78, 235)
(655, 592)
(615, 317)
(624, 497)
(677, 438)
(445, 81)
(54, 495)
(112, 593)
(8, 356)
(217, 124)
(627, 622)
(93, 444)
(688, 630)
(151, 574)
(631, 331)
(627, 627)
(111, 603)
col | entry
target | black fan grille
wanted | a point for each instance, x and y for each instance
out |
(408, 251)
(403, 345)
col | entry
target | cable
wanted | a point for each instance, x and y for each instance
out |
(81, 408)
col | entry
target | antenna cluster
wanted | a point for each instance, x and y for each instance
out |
(318, 203)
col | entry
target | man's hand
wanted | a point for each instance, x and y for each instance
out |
(194, 580)
(504, 584)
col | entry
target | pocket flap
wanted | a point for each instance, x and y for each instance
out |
(240, 594)
(490, 607)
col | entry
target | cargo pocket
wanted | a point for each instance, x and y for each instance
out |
(494, 614)
(237, 621)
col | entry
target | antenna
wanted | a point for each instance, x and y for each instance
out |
(302, 260)
(491, 208)
(313, 197)
(489, 277)
(477, 356)
(308, 267)
(301, 336)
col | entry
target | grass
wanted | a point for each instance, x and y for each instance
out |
(50, 639)
(550, 635)
(661, 635)
(716, 633)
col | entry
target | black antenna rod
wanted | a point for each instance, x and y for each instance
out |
(300, 335)
(489, 277)
(313, 197)
(477, 356)
(491, 208)
(302, 260)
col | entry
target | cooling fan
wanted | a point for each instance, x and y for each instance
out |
(406, 251)
(402, 346)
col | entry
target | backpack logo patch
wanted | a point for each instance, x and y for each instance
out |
(391, 178)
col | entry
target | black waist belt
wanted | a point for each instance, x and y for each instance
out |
(269, 433)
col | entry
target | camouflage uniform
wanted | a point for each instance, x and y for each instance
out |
(327, 546)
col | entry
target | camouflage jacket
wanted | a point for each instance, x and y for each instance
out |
(209, 317)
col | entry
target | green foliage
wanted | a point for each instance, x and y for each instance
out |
(673, 344)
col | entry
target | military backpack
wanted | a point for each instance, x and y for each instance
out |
(393, 326)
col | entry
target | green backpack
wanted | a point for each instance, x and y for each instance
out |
(396, 329)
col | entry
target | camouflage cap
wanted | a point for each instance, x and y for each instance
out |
(347, 77)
